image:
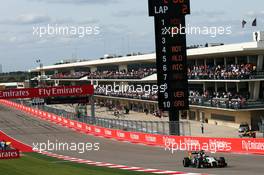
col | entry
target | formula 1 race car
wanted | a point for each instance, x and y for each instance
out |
(201, 160)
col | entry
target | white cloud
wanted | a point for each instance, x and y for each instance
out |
(32, 19)
(128, 13)
(27, 19)
(210, 14)
(12, 39)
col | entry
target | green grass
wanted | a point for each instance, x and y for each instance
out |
(36, 164)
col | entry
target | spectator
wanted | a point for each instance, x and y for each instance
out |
(146, 111)
(217, 99)
(126, 110)
(202, 128)
(3, 145)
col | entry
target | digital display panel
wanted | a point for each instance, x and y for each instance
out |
(171, 56)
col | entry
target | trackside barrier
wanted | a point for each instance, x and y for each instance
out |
(170, 143)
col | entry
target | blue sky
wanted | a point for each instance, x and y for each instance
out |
(124, 27)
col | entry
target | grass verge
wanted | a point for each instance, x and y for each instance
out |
(37, 164)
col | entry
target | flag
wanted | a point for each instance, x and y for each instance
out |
(244, 23)
(254, 23)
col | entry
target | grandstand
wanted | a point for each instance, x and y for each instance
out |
(226, 82)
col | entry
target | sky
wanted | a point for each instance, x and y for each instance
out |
(124, 27)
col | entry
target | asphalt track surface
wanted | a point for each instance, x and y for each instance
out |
(31, 130)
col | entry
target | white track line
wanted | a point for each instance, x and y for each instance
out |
(122, 167)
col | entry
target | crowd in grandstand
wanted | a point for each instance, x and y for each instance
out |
(218, 99)
(144, 95)
(131, 74)
(233, 71)
(74, 75)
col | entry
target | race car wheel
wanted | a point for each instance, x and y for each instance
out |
(198, 163)
(222, 162)
(214, 164)
(186, 162)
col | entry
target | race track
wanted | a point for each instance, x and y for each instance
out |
(32, 130)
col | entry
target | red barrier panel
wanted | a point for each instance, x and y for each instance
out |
(53, 118)
(236, 145)
(65, 122)
(49, 117)
(72, 124)
(59, 120)
(98, 131)
(108, 133)
(79, 126)
(121, 135)
(89, 129)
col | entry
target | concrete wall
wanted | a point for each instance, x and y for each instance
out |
(93, 69)
(122, 67)
(72, 71)
(240, 117)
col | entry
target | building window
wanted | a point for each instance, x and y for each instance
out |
(210, 62)
(196, 87)
(231, 87)
(226, 118)
(107, 68)
(230, 60)
(253, 59)
(200, 62)
(261, 94)
(219, 61)
(192, 115)
(190, 63)
(82, 69)
(263, 65)
(242, 60)
(49, 72)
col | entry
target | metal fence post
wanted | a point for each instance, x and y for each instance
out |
(151, 126)
(163, 128)
(157, 127)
